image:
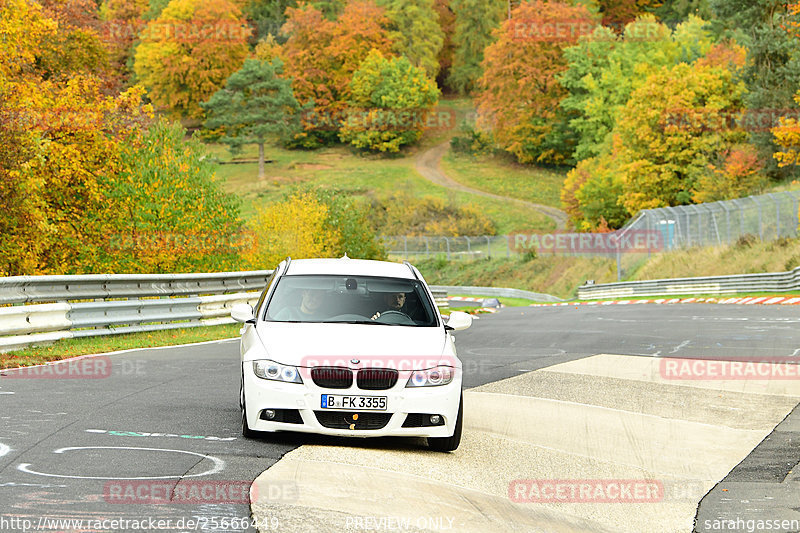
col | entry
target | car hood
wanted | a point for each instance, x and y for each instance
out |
(404, 348)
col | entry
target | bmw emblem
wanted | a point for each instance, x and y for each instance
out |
(355, 361)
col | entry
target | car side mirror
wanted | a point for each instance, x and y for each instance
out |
(459, 321)
(243, 313)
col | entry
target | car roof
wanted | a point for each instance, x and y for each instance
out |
(349, 267)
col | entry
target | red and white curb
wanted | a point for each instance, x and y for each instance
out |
(749, 300)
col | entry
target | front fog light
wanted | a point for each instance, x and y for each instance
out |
(275, 371)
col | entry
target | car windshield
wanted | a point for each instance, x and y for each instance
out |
(351, 299)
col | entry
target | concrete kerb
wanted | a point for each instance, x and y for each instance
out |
(558, 439)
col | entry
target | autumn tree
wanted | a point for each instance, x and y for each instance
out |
(352, 219)
(415, 32)
(23, 27)
(266, 17)
(188, 52)
(447, 22)
(122, 20)
(787, 137)
(171, 214)
(320, 57)
(591, 195)
(520, 87)
(391, 101)
(295, 227)
(738, 172)
(671, 11)
(77, 46)
(604, 69)
(475, 20)
(677, 126)
(772, 73)
(254, 106)
(618, 13)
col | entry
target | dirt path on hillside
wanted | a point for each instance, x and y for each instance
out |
(427, 164)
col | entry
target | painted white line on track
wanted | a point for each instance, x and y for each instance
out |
(219, 464)
(4, 449)
(121, 352)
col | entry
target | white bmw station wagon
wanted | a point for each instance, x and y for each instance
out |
(352, 348)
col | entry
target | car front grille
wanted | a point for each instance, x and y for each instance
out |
(331, 377)
(345, 420)
(376, 378)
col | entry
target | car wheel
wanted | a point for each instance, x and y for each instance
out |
(246, 431)
(448, 444)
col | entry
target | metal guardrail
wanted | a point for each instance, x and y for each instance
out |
(36, 289)
(59, 307)
(769, 282)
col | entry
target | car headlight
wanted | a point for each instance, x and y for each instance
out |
(266, 369)
(432, 377)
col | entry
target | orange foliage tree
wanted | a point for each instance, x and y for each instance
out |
(520, 88)
(320, 56)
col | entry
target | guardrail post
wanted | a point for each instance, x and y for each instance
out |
(488, 247)
(405, 246)
(427, 246)
(447, 243)
(508, 246)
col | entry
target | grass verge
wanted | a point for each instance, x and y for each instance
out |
(559, 276)
(67, 348)
(358, 175)
(500, 175)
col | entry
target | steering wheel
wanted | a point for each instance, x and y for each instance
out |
(398, 316)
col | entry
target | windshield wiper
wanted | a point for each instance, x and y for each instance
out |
(353, 322)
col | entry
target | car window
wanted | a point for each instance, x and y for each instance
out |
(351, 299)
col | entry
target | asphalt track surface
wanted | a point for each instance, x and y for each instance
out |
(170, 416)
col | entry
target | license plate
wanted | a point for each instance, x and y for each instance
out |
(367, 403)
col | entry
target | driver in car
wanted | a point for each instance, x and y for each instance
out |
(394, 301)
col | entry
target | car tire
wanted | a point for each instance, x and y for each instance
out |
(448, 444)
(246, 431)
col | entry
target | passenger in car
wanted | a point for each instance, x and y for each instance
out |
(310, 308)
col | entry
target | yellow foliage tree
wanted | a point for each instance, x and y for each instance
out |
(295, 227)
(186, 54)
(787, 136)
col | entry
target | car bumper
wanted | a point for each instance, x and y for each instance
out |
(261, 394)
